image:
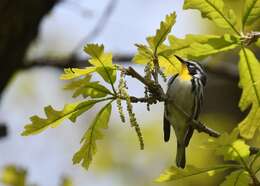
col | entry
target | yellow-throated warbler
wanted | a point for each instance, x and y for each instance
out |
(184, 101)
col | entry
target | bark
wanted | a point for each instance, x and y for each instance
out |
(19, 26)
(3, 131)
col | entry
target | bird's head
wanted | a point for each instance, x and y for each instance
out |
(191, 69)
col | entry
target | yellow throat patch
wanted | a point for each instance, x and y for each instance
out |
(184, 73)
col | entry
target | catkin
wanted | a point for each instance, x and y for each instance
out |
(121, 86)
(124, 94)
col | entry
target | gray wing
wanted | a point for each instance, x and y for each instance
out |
(166, 123)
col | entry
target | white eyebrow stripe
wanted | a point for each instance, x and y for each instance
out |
(197, 65)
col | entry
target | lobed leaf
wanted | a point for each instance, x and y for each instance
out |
(162, 32)
(237, 178)
(54, 118)
(249, 68)
(72, 73)
(169, 63)
(144, 54)
(174, 173)
(251, 12)
(85, 155)
(75, 84)
(107, 73)
(102, 61)
(214, 10)
(234, 150)
(92, 89)
(201, 46)
(193, 47)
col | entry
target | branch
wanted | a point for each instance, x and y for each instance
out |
(153, 87)
(150, 100)
(227, 70)
(250, 37)
(200, 127)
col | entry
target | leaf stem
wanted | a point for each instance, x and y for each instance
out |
(251, 173)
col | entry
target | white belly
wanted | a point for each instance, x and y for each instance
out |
(180, 101)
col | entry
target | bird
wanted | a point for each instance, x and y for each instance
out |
(184, 98)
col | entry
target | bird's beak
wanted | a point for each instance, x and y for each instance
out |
(184, 71)
(180, 59)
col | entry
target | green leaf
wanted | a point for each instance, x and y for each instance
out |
(174, 173)
(72, 73)
(255, 157)
(237, 178)
(66, 182)
(258, 43)
(229, 146)
(182, 46)
(249, 68)
(201, 46)
(103, 62)
(214, 10)
(144, 54)
(107, 73)
(251, 12)
(193, 47)
(98, 56)
(92, 89)
(162, 32)
(234, 151)
(13, 176)
(54, 118)
(75, 84)
(169, 63)
(85, 155)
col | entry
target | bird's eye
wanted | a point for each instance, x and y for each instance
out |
(192, 69)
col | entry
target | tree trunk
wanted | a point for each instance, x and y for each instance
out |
(19, 25)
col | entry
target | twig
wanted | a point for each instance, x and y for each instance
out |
(250, 37)
(200, 127)
(254, 150)
(150, 100)
(153, 87)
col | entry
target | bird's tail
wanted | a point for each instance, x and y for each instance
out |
(180, 157)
